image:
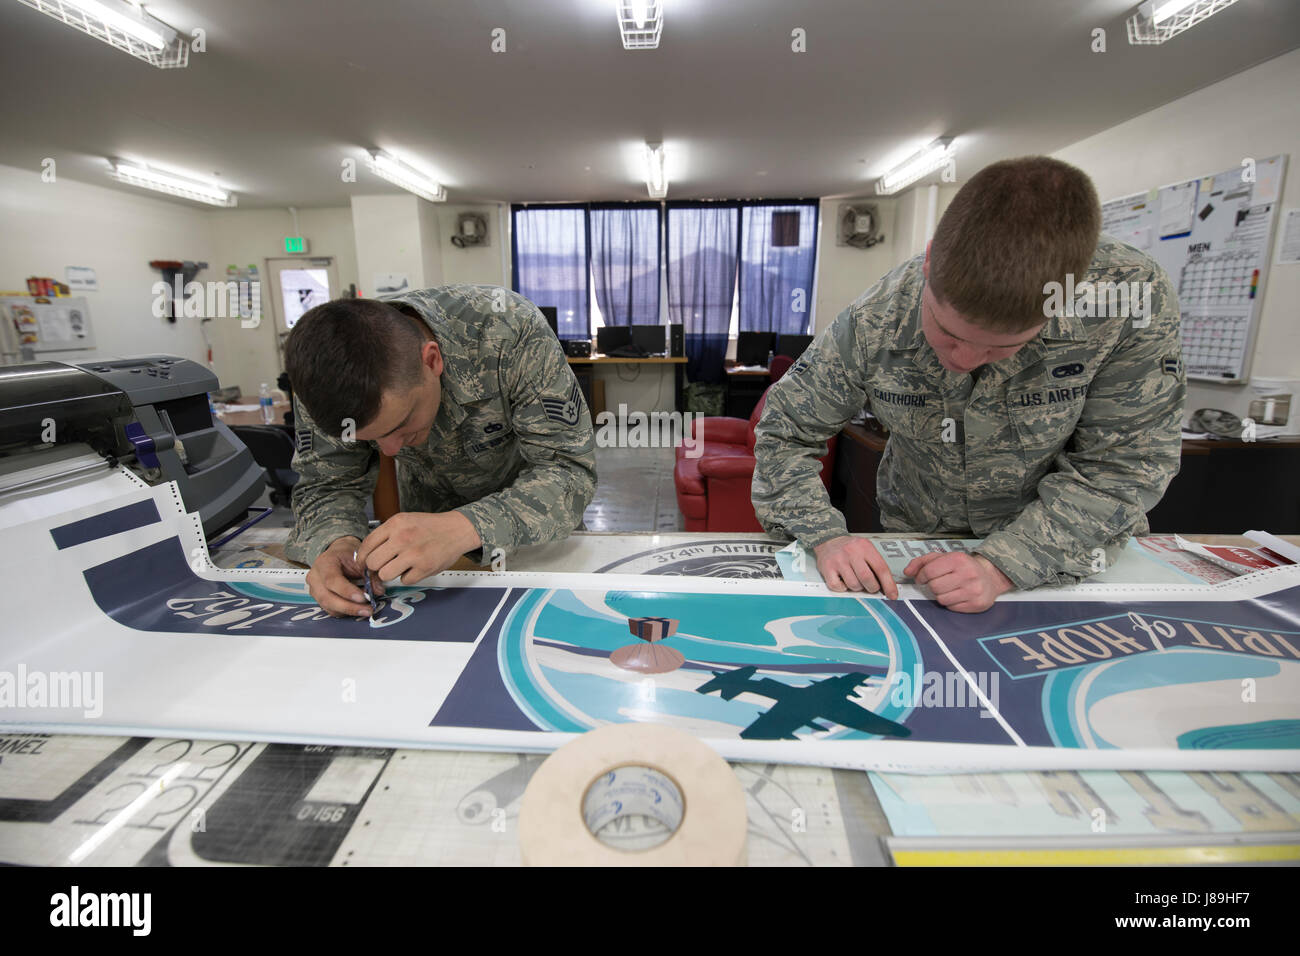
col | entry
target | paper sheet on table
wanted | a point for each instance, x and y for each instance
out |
(798, 563)
(1239, 560)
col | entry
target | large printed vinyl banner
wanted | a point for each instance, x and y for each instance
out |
(123, 626)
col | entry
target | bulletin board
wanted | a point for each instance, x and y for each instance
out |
(1212, 235)
(49, 325)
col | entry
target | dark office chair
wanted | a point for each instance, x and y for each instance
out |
(272, 447)
(283, 384)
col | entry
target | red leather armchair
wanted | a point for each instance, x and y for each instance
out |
(713, 490)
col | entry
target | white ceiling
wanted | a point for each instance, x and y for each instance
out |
(289, 88)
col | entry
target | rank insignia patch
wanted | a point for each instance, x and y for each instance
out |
(564, 410)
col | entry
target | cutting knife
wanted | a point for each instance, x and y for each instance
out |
(369, 592)
(366, 589)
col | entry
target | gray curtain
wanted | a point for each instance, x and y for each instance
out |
(778, 258)
(702, 258)
(625, 264)
(550, 265)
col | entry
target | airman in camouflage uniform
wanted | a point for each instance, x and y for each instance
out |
(1053, 455)
(511, 448)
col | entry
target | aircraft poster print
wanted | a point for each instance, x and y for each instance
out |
(1098, 675)
(127, 608)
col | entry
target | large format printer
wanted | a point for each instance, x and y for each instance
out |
(150, 414)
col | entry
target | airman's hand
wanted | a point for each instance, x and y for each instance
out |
(854, 564)
(413, 545)
(969, 583)
(332, 580)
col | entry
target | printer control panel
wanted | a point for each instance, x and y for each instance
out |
(153, 378)
(161, 367)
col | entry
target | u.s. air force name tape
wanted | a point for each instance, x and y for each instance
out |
(633, 770)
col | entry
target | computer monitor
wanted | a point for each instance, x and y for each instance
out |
(792, 345)
(650, 338)
(552, 317)
(752, 347)
(609, 337)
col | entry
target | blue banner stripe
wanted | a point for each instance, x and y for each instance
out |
(110, 522)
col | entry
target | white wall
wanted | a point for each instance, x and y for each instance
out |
(1255, 113)
(389, 238)
(845, 272)
(430, 243)
(912, 230)
(48, 226)
(243, 237)
(906, 226)
(475, 264)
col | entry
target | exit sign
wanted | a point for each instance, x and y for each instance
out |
(295, 244)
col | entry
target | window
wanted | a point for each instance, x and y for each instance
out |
(625, 263)
(551, 264)
(703, 241)
(596, 264)
(778, 260)
(730, 266)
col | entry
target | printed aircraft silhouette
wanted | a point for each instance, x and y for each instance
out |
(797, 707)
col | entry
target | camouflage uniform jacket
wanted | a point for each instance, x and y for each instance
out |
(1053, 455)
(511, 447)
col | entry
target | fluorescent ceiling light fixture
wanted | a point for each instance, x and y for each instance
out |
(139, 174)
(640, 22)
(922, 164)
(1165, 9)
(398, 173)
(122, 25)
(1159, 20)
(656, 180)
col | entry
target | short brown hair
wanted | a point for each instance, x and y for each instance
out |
(342, 356)
(1015, 226)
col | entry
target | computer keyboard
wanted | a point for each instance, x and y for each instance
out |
(628, 351)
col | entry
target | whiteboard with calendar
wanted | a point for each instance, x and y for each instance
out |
(1212, 235)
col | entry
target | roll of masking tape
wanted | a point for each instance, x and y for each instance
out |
(622, 772)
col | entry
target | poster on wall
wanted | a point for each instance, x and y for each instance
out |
(390, 283)
(81, 279)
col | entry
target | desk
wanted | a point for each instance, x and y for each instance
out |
(1222, 487)
(744, 388)
(592, 388)
(853, 482)
(408, 806)
(1227, 487)
(253, 418)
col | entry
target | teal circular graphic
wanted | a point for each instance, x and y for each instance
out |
(757, 666)
(1088, 707)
